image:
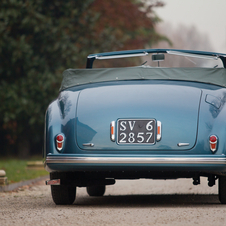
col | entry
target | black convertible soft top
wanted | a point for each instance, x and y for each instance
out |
(75, 77)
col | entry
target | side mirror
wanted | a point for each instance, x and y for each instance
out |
(158, 57)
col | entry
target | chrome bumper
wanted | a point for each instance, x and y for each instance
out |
(217, 160)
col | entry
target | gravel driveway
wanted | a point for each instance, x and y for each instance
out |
(138, 202)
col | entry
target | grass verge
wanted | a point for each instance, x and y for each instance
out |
(16, 170)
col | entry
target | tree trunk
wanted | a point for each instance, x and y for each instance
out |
(23, 148)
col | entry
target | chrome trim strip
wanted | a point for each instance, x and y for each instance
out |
(135, 160)
(93, 56)
(121, 56)
(88, 144)
(193, 55)
(182, 144)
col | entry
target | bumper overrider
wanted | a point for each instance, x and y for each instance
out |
(191, 163)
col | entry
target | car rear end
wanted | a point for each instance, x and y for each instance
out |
(157, 124)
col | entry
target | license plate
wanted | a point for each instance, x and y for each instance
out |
(136, 131)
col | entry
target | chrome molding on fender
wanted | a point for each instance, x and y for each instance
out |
(88, 144)
(136, 160)
(182, 144)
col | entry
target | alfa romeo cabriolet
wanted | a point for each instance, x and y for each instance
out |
(137, 122)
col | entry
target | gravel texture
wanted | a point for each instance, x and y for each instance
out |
(134, 202)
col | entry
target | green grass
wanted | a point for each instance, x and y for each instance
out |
(16, 170)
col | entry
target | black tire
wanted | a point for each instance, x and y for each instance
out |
(63, 195)
(222, 189)
(96, 190)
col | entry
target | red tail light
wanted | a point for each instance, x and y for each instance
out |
(113, 131)
(213, 143)
(59, 142)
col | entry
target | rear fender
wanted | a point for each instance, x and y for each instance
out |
(60, 118)
(212, 121)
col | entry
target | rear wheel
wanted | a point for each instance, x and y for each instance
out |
(222, 189)
(96, 190)
(63, 195)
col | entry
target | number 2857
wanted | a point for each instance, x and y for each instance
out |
(135, 131)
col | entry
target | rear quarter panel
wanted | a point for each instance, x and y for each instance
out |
(60, 118)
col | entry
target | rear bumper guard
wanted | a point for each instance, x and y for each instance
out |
(53, 182)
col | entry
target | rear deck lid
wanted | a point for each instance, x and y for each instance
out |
(134, 106)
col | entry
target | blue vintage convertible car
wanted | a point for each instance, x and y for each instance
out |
(137, 122)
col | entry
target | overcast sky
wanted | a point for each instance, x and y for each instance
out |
(209, 16)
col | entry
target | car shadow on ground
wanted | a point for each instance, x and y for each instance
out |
(147, 200)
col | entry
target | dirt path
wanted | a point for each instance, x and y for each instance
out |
(139, 202)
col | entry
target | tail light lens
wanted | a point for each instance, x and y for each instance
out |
(159, 130)
(60, 142)
(213, 143)
(113, 131)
